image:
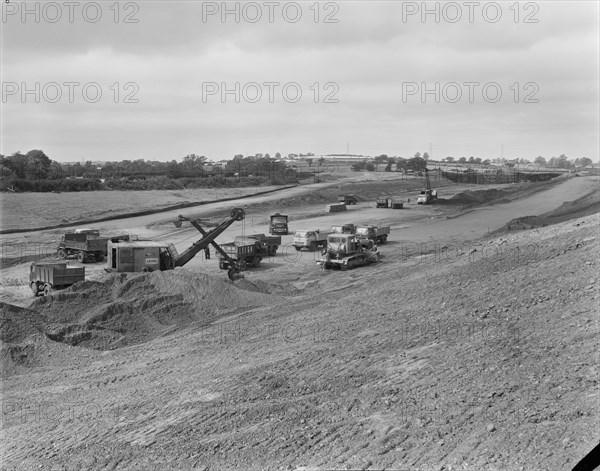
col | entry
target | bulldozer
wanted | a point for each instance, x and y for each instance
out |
(345, 251)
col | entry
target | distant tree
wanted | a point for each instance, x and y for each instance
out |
(477, 160)
(358, 166)
(471, 159)
(370, 167)
(583, 162)
(425, 156)
(462, 160)
(417, 155)
(486, 162)
(449, 159)
(309, 161)
(38, 165)
(539, 160)
(277, 155)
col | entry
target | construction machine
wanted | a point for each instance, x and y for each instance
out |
(44, 277)
(151, 255)
(347, 251)
(278, 224)
(427, 195)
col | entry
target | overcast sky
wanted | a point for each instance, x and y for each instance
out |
(361, 68)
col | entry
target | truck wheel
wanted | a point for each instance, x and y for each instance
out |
(297, 248)
(34, 288)
(233, 274)
(62, 253)
(243, 265)
(384, 239)
(272, 251)
(81, 257)
(222, 265)
(312, 246)
(256, 261)
(47, 289)
(99, 257)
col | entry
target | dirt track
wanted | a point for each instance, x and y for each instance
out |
(477, 356)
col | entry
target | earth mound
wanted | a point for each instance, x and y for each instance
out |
(132, 308)
(477, 197)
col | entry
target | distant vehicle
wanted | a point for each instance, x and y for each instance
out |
(394, 202)
(278, 224)
(345, 229)
(44, 277)
(378, 234)
(309, 239)
(347, 251)
(86, 244)
(347, 199)
(427, 195)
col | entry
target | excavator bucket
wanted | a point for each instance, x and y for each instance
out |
(234, 274)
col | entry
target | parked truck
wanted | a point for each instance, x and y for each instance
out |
(346, 251)
(347, 199)
(309, 239)
(395, 202)
(344, 229)
(47, 276)
(86, 244)
(243, 254)
(267, 245)
(378, 234)
(278, 224)
(427, 195)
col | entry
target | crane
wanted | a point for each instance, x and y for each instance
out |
(427, 195)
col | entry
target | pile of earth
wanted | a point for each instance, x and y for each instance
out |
(477, 197)
(132, 308)
(581, 207)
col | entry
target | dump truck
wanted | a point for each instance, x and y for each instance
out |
(344, 229)
(242, 254)
(347, 199)
(345, 251)
(382, 202)
(44, 277)
(427, 195)
(395, 202)
(86, 244)
(309, 239)
(267, 245)
(278, 224)
(378, 234)
(148, 255)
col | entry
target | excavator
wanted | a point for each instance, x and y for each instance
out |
(148, 255)
(208, 238)
(427, 195)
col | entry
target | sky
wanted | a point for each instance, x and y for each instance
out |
(158, 80)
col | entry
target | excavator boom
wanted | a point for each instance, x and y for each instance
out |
(237, 214)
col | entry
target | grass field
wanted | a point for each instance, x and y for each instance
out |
(31, 210)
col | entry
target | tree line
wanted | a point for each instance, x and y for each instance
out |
(35, 171)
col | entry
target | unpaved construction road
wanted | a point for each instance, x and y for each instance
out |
(457, 351)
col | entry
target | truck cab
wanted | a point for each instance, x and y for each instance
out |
(278, 224)
(309, 239)
(344, 229)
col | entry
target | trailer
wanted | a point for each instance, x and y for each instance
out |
(382, 202)
(243, 254)
(394, 202)
(378, 234)
(335, 208)
(44, 277)
(268, 245)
